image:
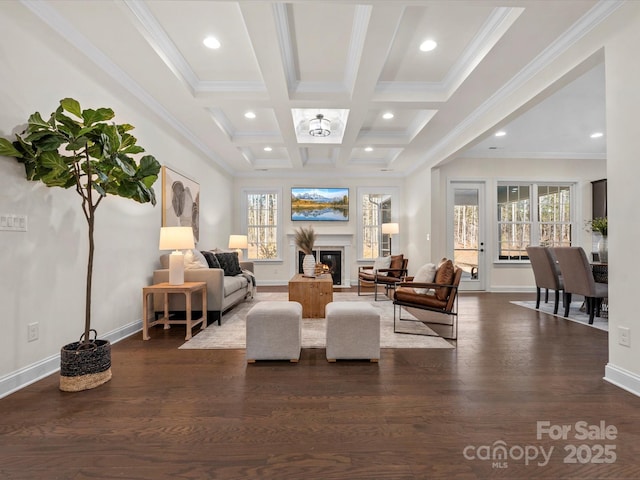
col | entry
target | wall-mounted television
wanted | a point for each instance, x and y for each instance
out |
(319, 204)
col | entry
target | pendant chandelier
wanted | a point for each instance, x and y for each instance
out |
(319, 126)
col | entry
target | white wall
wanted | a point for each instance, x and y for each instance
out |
(42, 271)
(278, 273)
(502, 277)
(623, 172)
(419, 224)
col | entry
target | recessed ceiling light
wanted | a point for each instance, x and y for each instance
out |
(597, 135)
(267, 149)
(501, 133)
(387, 116)
(211, 42)
(368, 149)
(428, 45)
(250, 115)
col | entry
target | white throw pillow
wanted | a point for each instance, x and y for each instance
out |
(194, 259)
(382, 262)
(425, 274)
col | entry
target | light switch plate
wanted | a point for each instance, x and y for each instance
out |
(10, 222)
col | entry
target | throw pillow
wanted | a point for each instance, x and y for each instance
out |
(381, 262)
(194, 259)
(396, 262)
(444, 276)
(211, 259)
(425, 274)
(229, 263)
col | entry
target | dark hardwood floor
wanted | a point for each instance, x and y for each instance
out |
(417, 414)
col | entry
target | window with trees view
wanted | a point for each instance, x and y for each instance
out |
(263, 220)
(374, 209)
(532, 214)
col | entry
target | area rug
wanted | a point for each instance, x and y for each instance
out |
(576, 313)
(232, 333)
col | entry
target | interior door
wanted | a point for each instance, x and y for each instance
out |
(465, 232)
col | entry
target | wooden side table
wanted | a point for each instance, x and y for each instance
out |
(312, 293)
(187, 289)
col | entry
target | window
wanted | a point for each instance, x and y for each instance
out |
(374, 209)
(263, 221)
(532, 214)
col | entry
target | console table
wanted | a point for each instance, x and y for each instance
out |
(165, 288)
(313, 293)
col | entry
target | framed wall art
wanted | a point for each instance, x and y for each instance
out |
(320, 204)
(180, 201)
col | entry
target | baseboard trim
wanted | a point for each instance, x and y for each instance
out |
(272, 283)
(511, 289)
(280, 283)
(47, 366)
(622, 378)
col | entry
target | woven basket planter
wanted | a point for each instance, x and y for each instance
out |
(85, 367)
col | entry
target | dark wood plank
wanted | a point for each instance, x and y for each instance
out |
(170, 413)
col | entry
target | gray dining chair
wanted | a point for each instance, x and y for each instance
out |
(546, 274)
(578, 278)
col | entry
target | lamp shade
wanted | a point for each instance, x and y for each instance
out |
(390, 228)
(238, 241)
(176, 238)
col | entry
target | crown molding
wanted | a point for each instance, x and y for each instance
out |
(281, 14)
(281, 19)
(52, 18)
(171, 56)
(162, 44)
(584, 25)
(492, 30)
(356, 44)
(535, 155)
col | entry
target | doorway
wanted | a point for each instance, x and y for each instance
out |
(465, 232)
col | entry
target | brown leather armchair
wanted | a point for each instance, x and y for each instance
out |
(439, 296)
(389, 277)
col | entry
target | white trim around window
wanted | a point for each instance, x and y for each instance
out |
(393, 192)
(245, 192)
(531, 219)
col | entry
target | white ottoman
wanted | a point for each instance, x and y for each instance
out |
(353, 331)
(274, 330)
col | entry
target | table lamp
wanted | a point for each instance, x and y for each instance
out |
(390, 229)
(238, 242)
(176, 239)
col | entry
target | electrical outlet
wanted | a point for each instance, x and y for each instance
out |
(624, 336)
(32, 331)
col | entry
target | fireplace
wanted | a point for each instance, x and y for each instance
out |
(331, 258)
(326, 247)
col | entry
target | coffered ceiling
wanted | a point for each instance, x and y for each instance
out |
(353, 62)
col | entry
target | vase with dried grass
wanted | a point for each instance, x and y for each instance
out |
(305, 239)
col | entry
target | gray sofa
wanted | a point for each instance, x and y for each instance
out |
(223, 292)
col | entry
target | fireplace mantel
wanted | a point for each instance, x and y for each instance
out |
(326, 241)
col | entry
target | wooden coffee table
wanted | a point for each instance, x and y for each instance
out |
(312, 293)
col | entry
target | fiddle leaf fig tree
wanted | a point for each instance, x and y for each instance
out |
(81, 149)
